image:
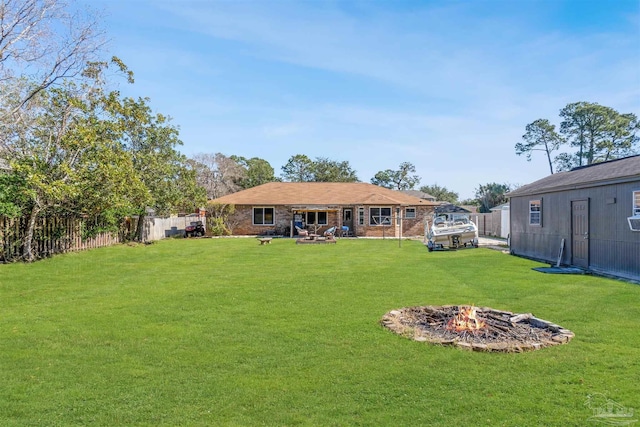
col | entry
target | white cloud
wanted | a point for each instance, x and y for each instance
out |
(449, 87)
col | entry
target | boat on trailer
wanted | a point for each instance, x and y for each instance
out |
(451, 228)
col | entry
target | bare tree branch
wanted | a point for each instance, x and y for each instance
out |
(42, 43)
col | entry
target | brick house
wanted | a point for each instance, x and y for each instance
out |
(366, 209)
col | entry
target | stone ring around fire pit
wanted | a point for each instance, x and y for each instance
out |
(476, 328)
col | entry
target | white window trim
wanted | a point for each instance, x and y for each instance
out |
(635, 196)
(539, 212)
(361, 220)
(406, 213)
(253, 216)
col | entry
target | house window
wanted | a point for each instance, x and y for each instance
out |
(636, 203)
(360, 216)
(379, 216)
(410, 213)
(263, 216)
(535, 212)
(316, 218)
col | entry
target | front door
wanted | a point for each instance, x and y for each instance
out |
(347, 218)
(580, 233)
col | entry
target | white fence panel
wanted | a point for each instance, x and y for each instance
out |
(156, 228)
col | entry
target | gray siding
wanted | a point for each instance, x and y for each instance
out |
(613, 248)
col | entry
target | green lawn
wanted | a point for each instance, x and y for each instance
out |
(227, 332)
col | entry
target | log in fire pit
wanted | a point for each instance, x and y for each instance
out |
(476, 328)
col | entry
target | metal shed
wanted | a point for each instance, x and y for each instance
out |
(582, 217)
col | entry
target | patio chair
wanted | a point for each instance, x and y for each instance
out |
(329, 232)
(302, 232)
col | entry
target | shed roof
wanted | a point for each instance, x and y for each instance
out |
(500, 207)
(321, 193)
(620, 170)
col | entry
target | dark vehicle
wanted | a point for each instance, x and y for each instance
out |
(196, 229)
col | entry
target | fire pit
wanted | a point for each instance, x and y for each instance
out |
(476, 328)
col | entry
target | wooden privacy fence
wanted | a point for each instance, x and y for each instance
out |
(54, 235)
(51, 235)
(489, 224)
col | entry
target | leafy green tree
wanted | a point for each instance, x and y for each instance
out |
(60, 153)
(566, 161)
(622, 139)
(598, 133)
(469, 202)
(326, 170)
(257, 171)
(151, 140)
(82, 152)
(11, 197)
(401, 179)
(43, 160)
(440, 193)
(299, 168)
(72, 147)
(110, 189)
(220, 220)
(491, 195)
(540, 136)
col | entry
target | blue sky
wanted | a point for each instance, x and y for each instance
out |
(446, 85)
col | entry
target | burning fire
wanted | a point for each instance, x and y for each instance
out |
(466, 320)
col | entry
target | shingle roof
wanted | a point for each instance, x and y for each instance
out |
(420, 194)
(620, 170)
(320, 193)
(450, 208)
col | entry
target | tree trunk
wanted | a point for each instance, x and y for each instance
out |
(140, 228)
(546, 147)
(27, 248)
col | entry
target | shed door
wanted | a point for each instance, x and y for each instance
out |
(580, 233)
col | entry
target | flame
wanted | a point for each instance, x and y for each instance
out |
(466, 320)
